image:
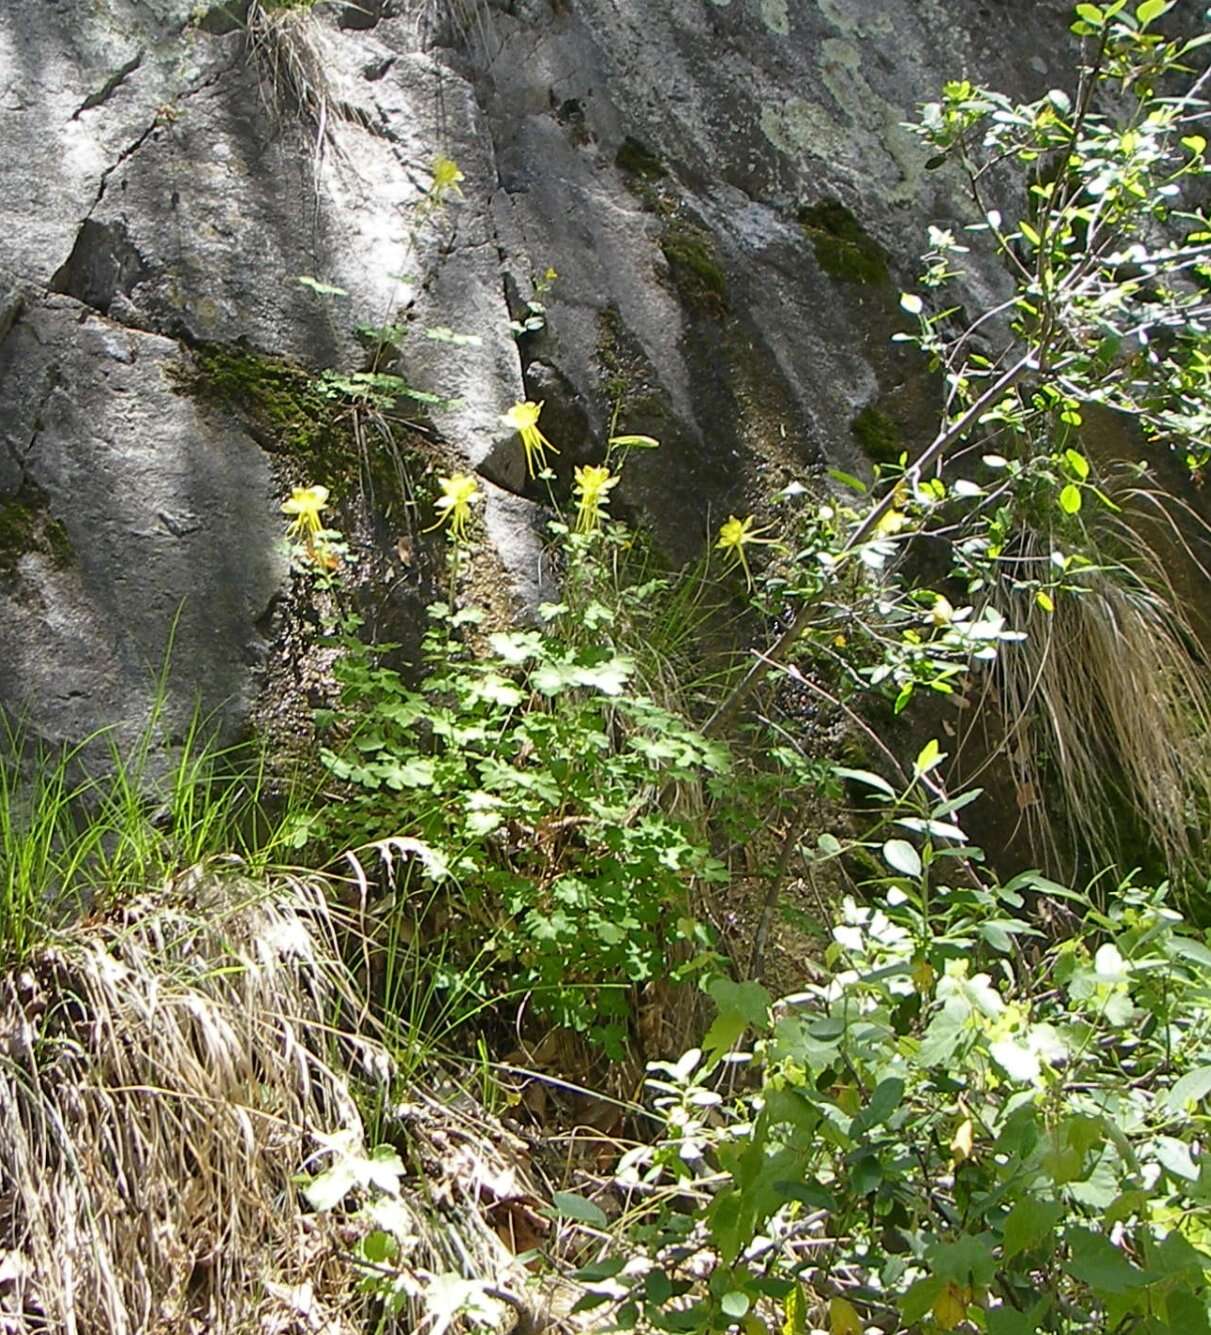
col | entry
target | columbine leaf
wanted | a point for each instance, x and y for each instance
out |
(383, 1169)
(609, 677)
(329, 1188)
(516, 646)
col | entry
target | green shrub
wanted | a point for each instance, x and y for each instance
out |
(960, 1123)
(540, 785)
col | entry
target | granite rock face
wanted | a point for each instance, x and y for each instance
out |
(142, 526)
(722, 186)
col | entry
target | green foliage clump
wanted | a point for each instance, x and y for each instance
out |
(317, 423)
(961, 1122)
(284, 404)
(637, 160)
(843, 248)
(536, 779)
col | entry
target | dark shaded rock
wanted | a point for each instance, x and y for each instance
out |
(102, 265)
(736, 202)
(141, 535)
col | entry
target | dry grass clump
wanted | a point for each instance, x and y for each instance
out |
(162, 1074)
(286, 45)
(465, 24)
(1107, 703)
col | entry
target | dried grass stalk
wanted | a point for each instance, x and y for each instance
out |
(1107, 703)
(161, 1075)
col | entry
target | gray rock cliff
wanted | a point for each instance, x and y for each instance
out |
(723, 187)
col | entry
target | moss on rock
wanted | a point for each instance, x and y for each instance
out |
(27, 525)
(637, 160)
(878, 434)
(843, 248)
(17, 534)
(628, 382)
(695, 267)
(283, 405)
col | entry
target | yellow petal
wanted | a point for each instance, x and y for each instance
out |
(524, 416)
(962, 1146)
(732, 533)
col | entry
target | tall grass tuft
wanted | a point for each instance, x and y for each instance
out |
(82, 827)
(1107, 703)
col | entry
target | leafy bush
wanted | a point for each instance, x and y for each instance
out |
(960, 1123)
(541, 786)
(1091, 203)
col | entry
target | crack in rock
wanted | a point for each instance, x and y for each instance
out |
(127, 152)
(110, 86)
(102, 263)
(12, 303)
(114, 274)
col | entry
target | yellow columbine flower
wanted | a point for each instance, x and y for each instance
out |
(446, 177)
(454, 504)
(523, 418)
(891, 522)
(305, 504)
(737, 534)
(592, 483)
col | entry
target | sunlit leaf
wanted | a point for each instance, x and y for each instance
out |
(901, 856)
